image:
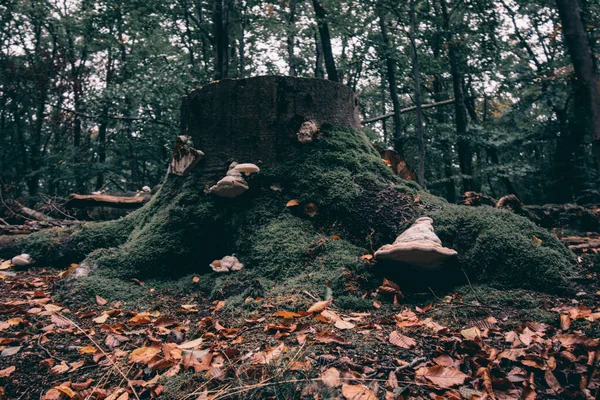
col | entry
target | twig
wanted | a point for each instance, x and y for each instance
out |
(306, 292)
(39, 342)
(103, 352)
(411, 364)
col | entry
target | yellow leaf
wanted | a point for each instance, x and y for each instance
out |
(292, 203)
(87, 350)
(6, 265)
(101, 319)
(143, 355)
(471, 333)
(66, 390)
(318, 306)
(367, 257)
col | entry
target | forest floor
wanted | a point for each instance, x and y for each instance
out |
(475, 342)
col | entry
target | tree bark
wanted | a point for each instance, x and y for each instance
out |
(417, 91)
(291, 37)
(390, 64)
(463, 143)
(587, 84)
(325, 36)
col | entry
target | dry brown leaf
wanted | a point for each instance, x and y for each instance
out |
(60, 321)
(331, 377)
(191, 344)
(6, 265)
(329, 337)
(565, 322)
(101, 319)
(398, 339)
(66, 390)
(101, 301)
(143, 355)
(268, 355)
(5, 373)
(471, 333)
(329, 316)
(311, 209)
(343, 325)
(113, 340)
(367, 257)
(552, 381)
(318, 306)
(445, 377)
(357, 392)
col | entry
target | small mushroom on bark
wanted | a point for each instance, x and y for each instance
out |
(418, 246)
(247, 168)
(22, 260)
(227, 264)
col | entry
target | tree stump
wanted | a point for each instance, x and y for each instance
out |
(322, 202)
(258, 120)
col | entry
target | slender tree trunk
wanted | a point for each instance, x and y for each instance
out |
(587, 85)
(319, 71)
(463, 143)
(220, 40)
(417, 85)
(390, 64)
(323, 27)
(291, 37)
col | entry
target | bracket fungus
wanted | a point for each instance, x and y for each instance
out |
(247, 169)
(22, 260)
(227, 264)
(185, 156)
(234, 184)
(417, 246)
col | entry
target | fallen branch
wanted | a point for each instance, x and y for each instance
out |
(105, 200)
(408, 109)
(36, 215)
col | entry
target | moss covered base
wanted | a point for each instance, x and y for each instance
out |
(356, 205)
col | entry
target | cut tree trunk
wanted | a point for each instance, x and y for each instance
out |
(320, 202)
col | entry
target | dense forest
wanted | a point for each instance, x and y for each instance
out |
(499, 97)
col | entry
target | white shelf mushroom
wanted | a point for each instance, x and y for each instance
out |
(22, 260)
(227, 264)
(247, 168)
(417, 246)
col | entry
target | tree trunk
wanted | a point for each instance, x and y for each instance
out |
(323, 27)
(417, 91)
(291, 38)
(463, 142)
(587, 84)
(319, 72)
(390, 64)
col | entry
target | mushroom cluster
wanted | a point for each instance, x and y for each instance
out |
(417, 246)
(227, 264)
(307, 132)
(234, 184)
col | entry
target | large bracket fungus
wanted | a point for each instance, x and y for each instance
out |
(417, 246)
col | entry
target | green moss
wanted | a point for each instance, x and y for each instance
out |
(500, 247)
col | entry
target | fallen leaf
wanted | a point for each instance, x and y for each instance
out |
(329, 337)
(357, 392)
(331, 377)
(10, 351)
(445, 377)
(6, 265)
(87, 350)
(318, 306)
(101, 319)
(341, 324)
(565, 322)
(143, 355)
(268, 355)
(400, 340)
(101, 301)
(367, 257)
(286, 314)
(113, 340)
(66, 390)
(191, 344)
(60, 321)
(292, 203)
(311, 209)
(5, 373)
(471, 333)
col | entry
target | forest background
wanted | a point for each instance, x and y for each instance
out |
(500, 97)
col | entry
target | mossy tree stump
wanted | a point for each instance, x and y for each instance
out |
(305, 136)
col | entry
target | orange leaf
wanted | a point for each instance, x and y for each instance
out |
(357, 392)
(318, 306)
(143, 355)
(286, 314)
(292, 203)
